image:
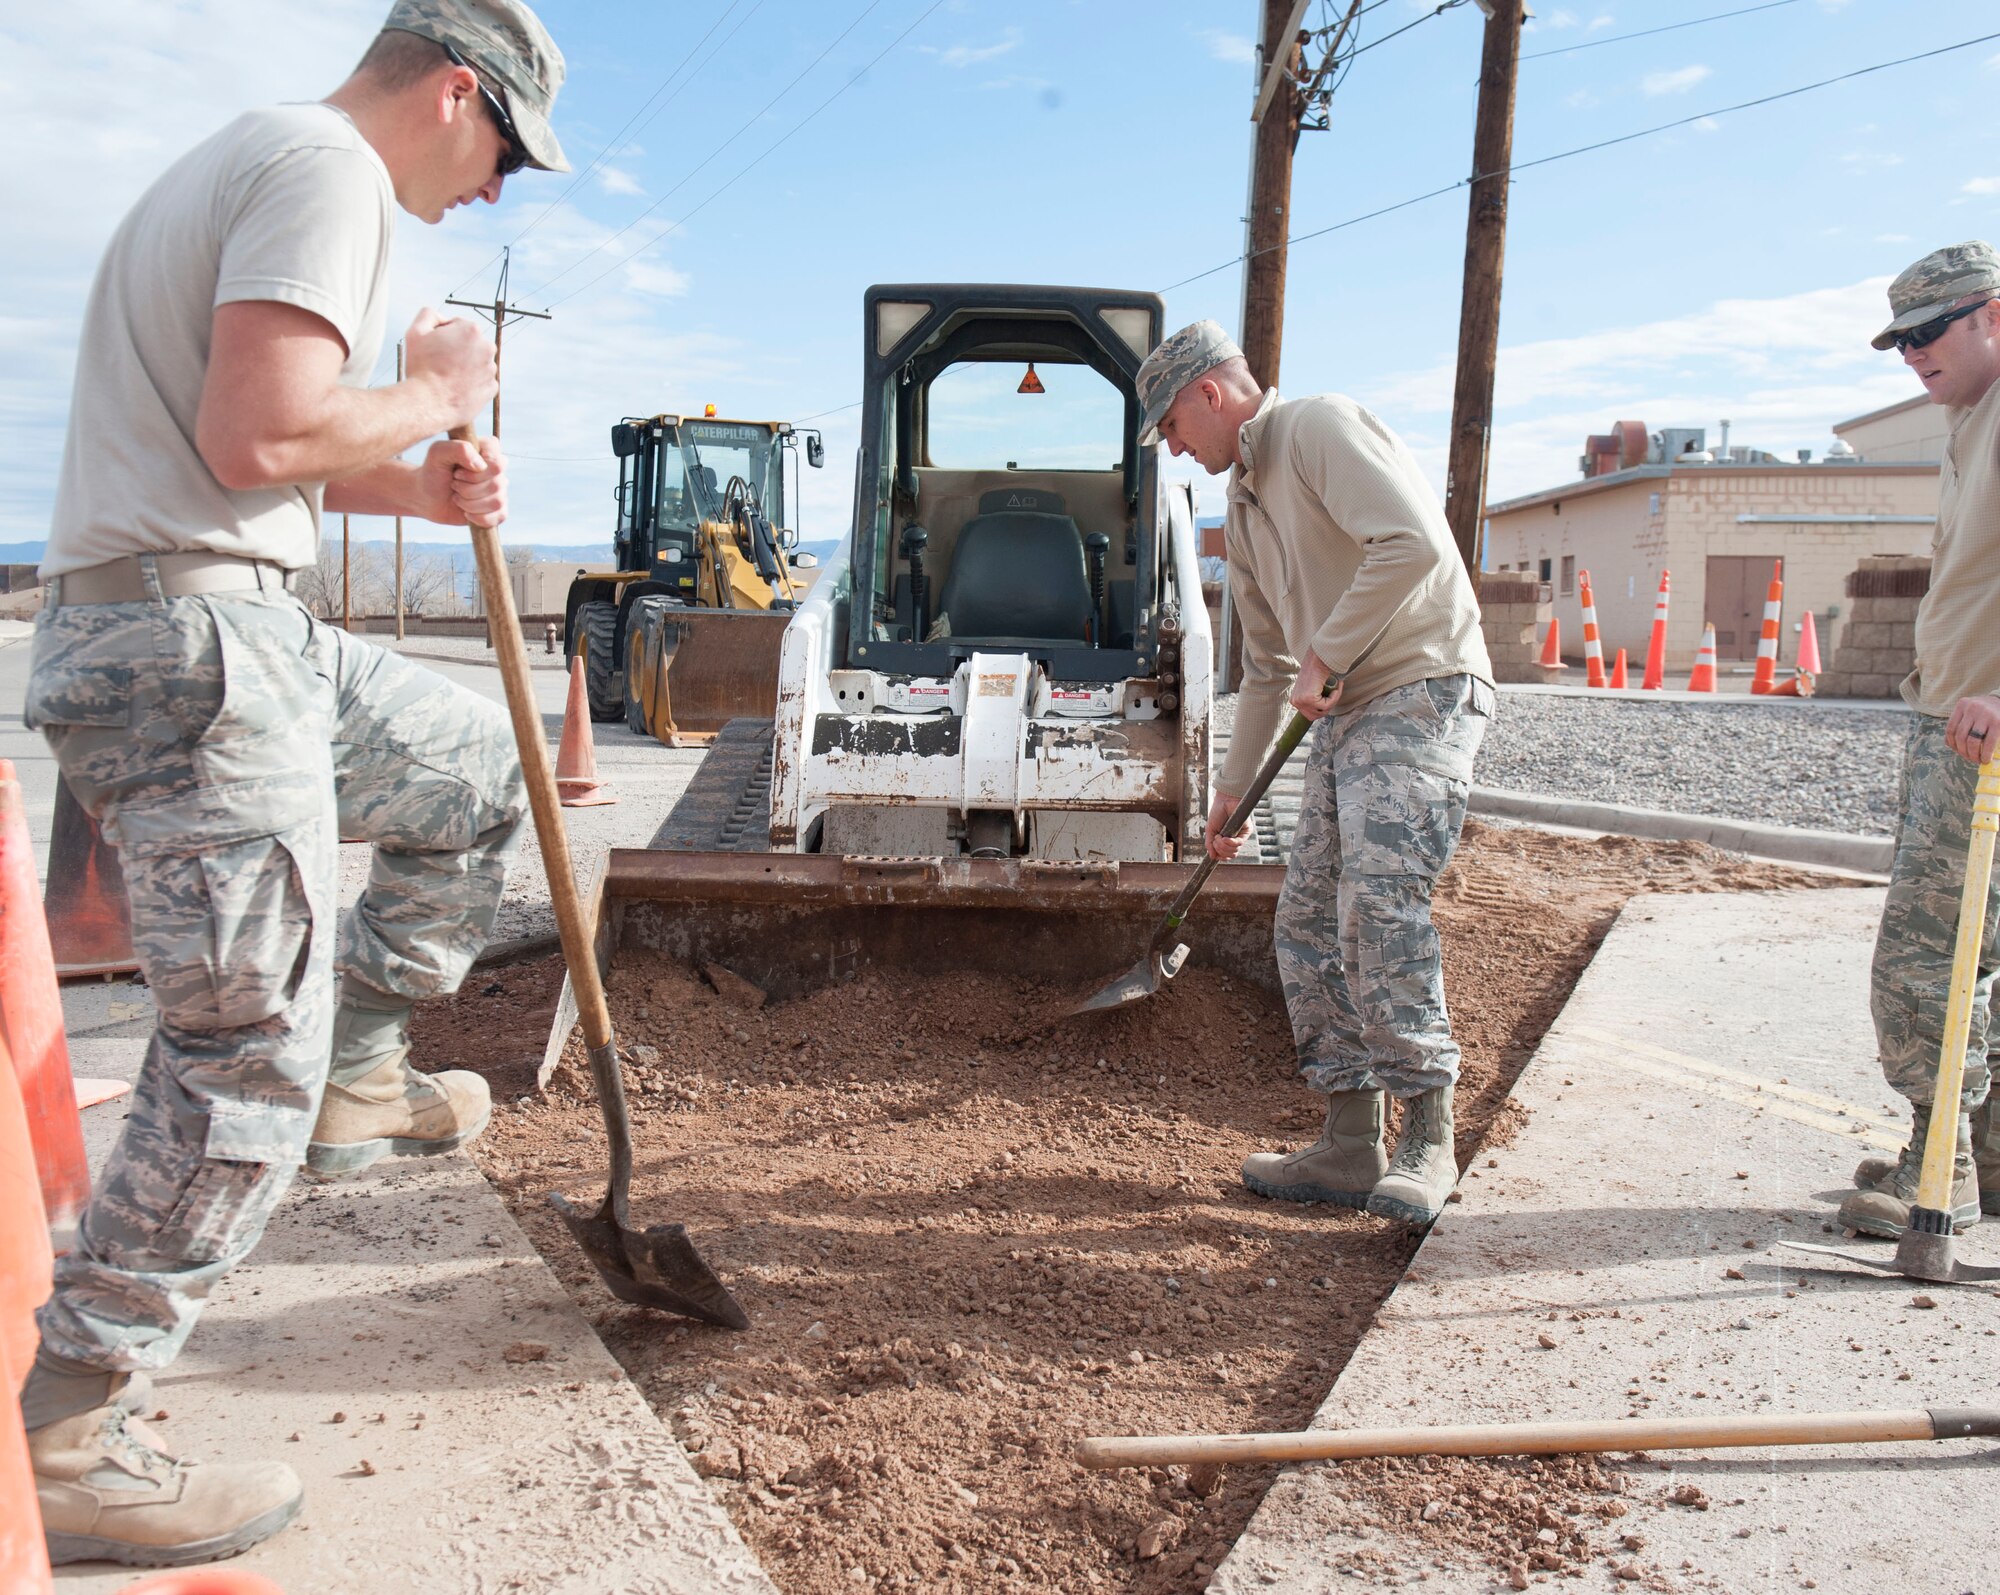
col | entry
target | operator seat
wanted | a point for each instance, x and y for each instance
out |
(1018, 574)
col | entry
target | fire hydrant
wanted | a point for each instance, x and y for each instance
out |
(549, 638)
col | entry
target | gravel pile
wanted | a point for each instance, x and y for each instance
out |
(1828, 768)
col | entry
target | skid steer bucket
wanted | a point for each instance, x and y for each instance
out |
(694, 670)
(792, 923)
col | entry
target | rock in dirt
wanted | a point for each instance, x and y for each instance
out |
(1157, 1537)
(1689, 1495)
(732, 988)
(526, 1351)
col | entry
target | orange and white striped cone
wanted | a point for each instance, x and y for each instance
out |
(1766, 679)
(1656, 650)
(1619, 679)
(1593, 646)
(1702, 679)
(576, 754)
(1552, 658)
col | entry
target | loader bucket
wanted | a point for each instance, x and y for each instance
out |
(701, 668)
(792, 923)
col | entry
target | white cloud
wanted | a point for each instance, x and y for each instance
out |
(1598, 22)
(1784, 369)
(614, 180)
(1870, 160)
(964, 55)
(1705, 124)
(1582, 100)
(1982, 185)
(1557, 19)
(1677, 81)
(656, 278)
(1993, 63)
(1235, 48)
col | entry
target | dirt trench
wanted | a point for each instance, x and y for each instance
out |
(961, 1253)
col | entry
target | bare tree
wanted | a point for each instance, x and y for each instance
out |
(317, 586)
(427, 585)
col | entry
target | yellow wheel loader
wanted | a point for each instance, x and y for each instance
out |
(684, 635)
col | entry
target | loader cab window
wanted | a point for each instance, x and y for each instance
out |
(714, 453)
(978, 418)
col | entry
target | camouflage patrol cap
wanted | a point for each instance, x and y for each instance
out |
(506, 42)
(1192, 352)
(1936, 283)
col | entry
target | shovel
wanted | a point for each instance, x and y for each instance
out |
(657, 1266)
(1162, 960)
(1925, 1249)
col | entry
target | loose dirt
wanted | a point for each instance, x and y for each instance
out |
(961, 1253)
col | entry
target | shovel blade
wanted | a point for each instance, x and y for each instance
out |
(1139, 982)
(654, 1267)
(1927, 1266)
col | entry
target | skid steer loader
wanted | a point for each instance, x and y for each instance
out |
(991, 744)
(683, 636)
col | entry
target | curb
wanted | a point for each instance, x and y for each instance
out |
(1869, 855)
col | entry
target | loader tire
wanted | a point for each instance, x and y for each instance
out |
(639, 625)
(603, 675)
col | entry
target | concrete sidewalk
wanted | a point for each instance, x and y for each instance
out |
(1704, 1096)
(458, 1425)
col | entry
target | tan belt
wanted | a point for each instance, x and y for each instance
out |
(123, 581)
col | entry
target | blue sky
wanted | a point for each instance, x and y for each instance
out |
(1734, 268)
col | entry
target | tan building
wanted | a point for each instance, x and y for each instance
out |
(1660, 501)
(1916, 429)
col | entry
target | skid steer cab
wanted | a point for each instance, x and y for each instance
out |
(684, 634)
(1009, 656)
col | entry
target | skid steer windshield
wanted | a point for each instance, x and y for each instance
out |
(712, 454)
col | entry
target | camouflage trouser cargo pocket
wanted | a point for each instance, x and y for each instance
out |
(1385, 797)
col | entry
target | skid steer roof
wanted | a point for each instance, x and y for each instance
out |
(914, 333)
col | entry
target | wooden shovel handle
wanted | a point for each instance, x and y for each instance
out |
(505, 624)
(1540, 1439)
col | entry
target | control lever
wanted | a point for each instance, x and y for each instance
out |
(915, 541)
(1098, 547)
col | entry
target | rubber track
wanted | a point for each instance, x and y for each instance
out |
(727, 806)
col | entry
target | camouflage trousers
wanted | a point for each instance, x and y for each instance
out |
(227, 743)
(1910, 983)
(1385, 794)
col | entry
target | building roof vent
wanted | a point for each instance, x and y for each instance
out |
(1842, 453)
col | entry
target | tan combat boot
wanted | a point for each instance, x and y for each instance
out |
(111, 1492)
(1872, 1173)
(1882, 1206)
(1425, 1167)
(1341, 1167)
(377, 1106)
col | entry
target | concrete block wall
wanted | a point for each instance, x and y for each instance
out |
(1507, 613)
(1878, 645)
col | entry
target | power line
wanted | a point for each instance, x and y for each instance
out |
(786, 138)
(1585, 149)
(1647, 33)
(689, 175)
(838, 409)
(1428, 16)
(611, 143)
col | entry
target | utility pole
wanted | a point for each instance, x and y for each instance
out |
(1285, 98)
(346, 588)
(1279, 53)
(500, 312)
(399, 523)
(1479, 307)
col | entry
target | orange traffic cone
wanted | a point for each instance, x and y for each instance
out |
(1593, 646)
(90, 922)
(205, 1581)
(1656, 650)
(1552, 646)
(25, 1269)
(1808, 645)
(576, 755)
(31, 1014)
(1767, 643)
(1800, 686)
(1703, 677)
(1619, 678)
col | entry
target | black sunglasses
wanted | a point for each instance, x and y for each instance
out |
(515, 155)
(1927, 333)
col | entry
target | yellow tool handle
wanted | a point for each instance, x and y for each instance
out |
(1537, 1439)
(592, 1011)
(1934, 1183)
